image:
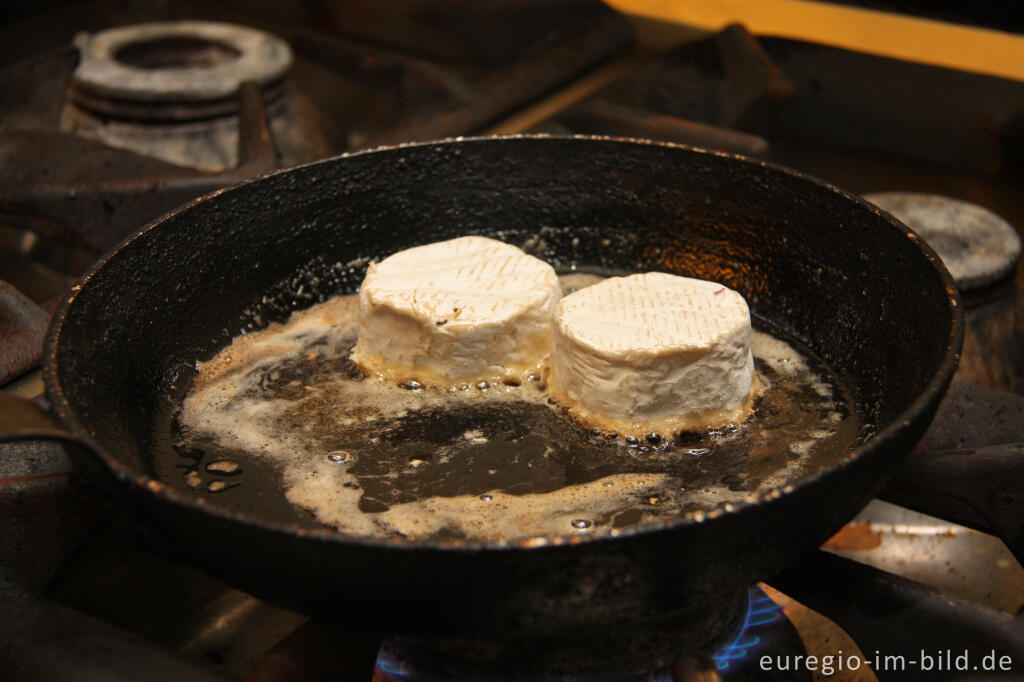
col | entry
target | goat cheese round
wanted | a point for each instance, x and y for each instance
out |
(653, 353)
(462, 310)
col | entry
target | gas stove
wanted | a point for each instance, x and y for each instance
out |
(924, 584)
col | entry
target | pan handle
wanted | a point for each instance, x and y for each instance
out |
(22, 419)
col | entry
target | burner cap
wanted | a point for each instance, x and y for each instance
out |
(977, 246)
(177, 62)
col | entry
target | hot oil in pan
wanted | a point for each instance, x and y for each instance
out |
(482, 462)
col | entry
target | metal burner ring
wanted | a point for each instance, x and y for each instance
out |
(977, 246)
(175, 70)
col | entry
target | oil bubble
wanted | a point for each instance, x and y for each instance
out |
(224, 466)
(341, 457)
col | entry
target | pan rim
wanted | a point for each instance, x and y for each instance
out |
(163, 493)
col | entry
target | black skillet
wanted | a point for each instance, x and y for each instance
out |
(848, 280)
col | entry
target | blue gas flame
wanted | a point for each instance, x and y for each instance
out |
(391, 664)
(761, 611)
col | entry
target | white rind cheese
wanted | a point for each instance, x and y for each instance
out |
(462, 310)
(653, 353)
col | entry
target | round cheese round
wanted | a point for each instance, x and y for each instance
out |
(653, 353)
(462, 310)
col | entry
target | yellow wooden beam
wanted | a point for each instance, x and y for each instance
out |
(882, 33)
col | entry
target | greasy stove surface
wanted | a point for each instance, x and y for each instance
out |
(86, 601)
